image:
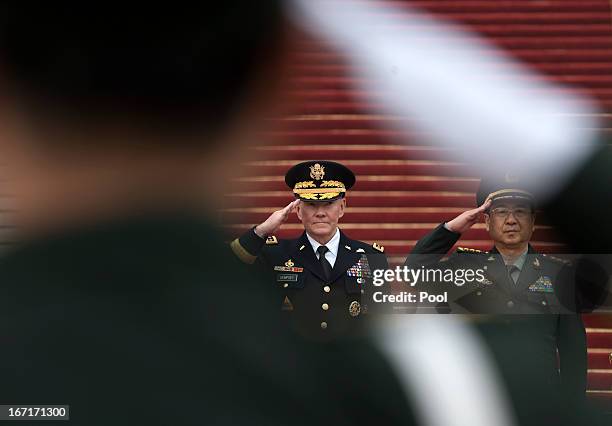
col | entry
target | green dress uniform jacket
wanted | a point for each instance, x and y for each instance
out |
(533, 328)
(317, 307)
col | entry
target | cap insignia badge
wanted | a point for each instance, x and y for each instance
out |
(317, 171)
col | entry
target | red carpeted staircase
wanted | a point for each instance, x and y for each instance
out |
(599, 340)
(405, 187)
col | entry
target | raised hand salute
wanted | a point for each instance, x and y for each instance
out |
(321, 274)
(467, 219)
(549, 349)
(275, 220)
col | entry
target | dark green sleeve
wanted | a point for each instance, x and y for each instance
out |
(437, 242)
(427, 253)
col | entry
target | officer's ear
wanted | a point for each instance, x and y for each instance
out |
(487, 219)
(342, 206)
(298, 210)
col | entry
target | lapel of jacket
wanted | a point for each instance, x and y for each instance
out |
(497, 271)
(531, 270)
(307, 256)
(345, 257)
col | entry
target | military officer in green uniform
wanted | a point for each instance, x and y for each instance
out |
(541, 351)
(322, 274)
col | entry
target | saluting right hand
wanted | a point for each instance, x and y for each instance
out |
(465, 220)
(276, 219)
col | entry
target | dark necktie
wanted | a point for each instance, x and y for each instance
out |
(514, 272)
(327, 268)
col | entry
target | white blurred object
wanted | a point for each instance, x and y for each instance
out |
(442, 76)
(446, 370)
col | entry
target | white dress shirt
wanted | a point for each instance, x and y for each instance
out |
(332, 247)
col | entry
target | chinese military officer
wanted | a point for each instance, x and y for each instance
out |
(321, 275)
(541, 351)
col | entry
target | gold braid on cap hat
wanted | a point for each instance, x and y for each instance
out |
(327, 186)
(328, 189)
(508, 191)
(320, 196)
(305, 184)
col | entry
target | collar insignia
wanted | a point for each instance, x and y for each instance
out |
(536, 263)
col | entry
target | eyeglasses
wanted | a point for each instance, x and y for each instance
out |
(502, 212)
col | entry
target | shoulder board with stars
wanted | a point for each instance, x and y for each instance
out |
(271, 240)
(557, 259)
(469, 250)
(378, 247)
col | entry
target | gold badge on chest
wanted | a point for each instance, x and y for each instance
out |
(354, 308)
(289, 267)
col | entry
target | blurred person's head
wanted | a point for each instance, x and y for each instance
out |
(106, 110)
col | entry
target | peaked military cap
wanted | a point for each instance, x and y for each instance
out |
(506, 187)
(319, 180)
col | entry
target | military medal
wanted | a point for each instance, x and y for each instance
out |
(289, 267)
(360, 270)
(542, 285)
